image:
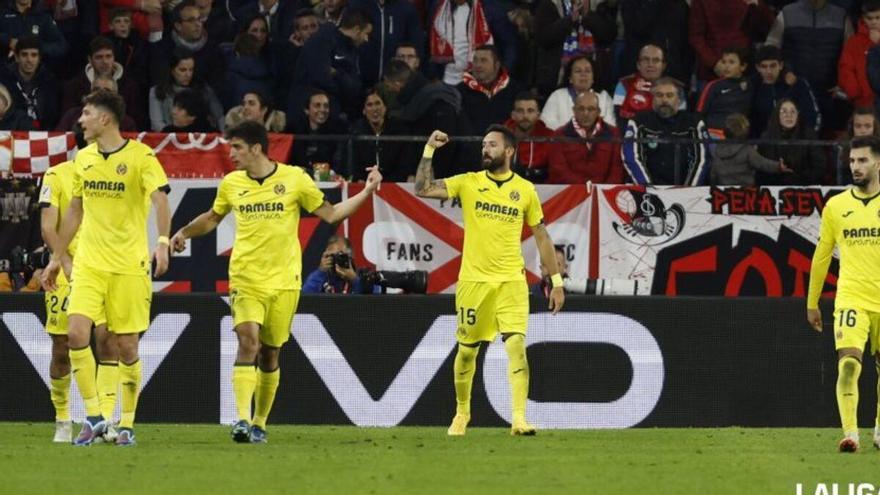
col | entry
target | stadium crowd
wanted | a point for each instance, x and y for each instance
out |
(596, 70)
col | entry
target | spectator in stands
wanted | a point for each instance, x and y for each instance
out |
(394, 22)
(580, 77)
(146, 16)
(102, 61)
(773, 82)
(714, 26)
(487, 91)
(545, 285)
(525, 121)
(189, 33)
(11, 118)
(863, 123)
(330, 11)
(852, 76)
(180, 75)
(409, 53)
(71, 116)
(315, 121)
(682, 163)
(423, 107)
(458, 27)
(33, 86)
(811, 34)
(331, 278)
(277, 15)
(217, 22)
(305, 24)
(189, 113)
(568, 28)
(808, 163)
(658, 23)
(593, 161)
(731, 93)
(257, 107)
(385, 154)
(129, 49)
(21, 18)
(633, 93)
(526, 66)
(734, 164)
(329, 62)
(248, 68)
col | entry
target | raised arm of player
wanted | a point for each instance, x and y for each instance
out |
(340, 211)
(426, 186)
(163, 227)
(548, 259)
(60, 258)
(199, 226)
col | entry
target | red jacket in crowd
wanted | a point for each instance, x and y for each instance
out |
(852, 75)
(530, 154)
(714, 25)
(577, 163)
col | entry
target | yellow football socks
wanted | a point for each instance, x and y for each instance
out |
(264, 395)
(82, 361)
(59, 391)
(244, 381)
(130, 381)
(108, 384)
(848, 370)
(517, 374)
(463, 370)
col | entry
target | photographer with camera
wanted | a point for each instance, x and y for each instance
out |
(336, 273)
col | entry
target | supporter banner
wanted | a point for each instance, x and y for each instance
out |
(604, 362)
(182, 155)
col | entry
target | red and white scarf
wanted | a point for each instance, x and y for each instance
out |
(586, 133)
(442, 31)
(501, 82)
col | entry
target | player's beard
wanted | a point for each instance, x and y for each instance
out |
(493, 164)
(862, 182)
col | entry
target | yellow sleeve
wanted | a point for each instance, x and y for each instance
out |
(50, 192)
(77, 181)
(821, 259)
(310, 196)
(222, 206)
(453, 185)
(534, 212)
(152, 174)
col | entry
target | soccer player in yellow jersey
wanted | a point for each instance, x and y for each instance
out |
(55, 196)
(266, 267)
(851, 221)
(491, 295)
(115, 181)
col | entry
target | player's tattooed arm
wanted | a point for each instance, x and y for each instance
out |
(426, 186)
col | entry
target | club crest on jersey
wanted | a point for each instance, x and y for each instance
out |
(280, 189)
(514, 195)
(121, 169)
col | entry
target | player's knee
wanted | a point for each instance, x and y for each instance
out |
(468, 353)
(268, 358)
(128, 348)
(849, 365)
(60, 352)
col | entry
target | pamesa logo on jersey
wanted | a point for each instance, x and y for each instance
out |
(644, 219)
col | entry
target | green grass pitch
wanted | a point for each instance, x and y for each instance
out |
(193, 459)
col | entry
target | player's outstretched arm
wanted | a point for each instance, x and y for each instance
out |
(426, 186)
(340, 211)
(548, 259)
(199, 226)
(60, 259)
(163, 227)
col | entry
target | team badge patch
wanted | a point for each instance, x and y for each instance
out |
(838, 335)
(121, 169)
(280, 189)
(514, 195)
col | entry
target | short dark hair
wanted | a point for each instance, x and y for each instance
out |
(99, 43)
(509, 136)
(526, 96)
(313, 93)
(333, 239)
(668, 81)
(192, 102)
(490, 48)
(107, 101)
(870, 6)
(646, 45)
(251, 133)
(570, 65)
(29, 42)
(407, 44)
(246, 45)
(177, 13)
(872, 142)
(118, 12)
(398, 71)
(768, 52)
(301, 14)
(736, 126)
(374, 90)
(741, 52)
(354, 18)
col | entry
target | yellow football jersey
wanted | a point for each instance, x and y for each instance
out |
(57, 189)
(853, 225)
(266, 252)
(115, 189)
(494, 212)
